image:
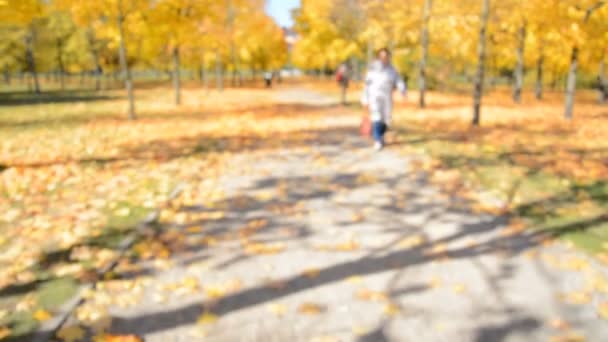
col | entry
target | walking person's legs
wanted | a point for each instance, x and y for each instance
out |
(378, 131)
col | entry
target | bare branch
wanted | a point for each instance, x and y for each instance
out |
(593, 8)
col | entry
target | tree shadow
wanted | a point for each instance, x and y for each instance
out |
(373, 262)
(22, 98)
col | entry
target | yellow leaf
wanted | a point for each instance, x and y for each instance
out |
(435, 282)
(459, 288)
(116, 338)
(311, 273)
(358, 217)
(559, 324)
(42, 315)
(374, 296)
(411, 242)
(277, 309)
(71, 334)
(122, 212)
(311, 309)
(391, 309)
(207, 318)
(354, 279)
(4, 332)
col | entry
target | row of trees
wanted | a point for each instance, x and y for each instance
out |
(119, 35)
(462, 37)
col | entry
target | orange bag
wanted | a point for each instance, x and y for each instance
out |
(366, 126)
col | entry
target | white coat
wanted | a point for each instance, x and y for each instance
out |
(380, 82)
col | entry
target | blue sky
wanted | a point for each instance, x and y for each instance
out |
(280, 10)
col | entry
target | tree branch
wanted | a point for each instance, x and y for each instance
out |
(593, 8)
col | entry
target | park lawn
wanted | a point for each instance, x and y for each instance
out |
(524, 160)
(76, 177)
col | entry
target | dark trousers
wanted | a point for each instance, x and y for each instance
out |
(378, 131)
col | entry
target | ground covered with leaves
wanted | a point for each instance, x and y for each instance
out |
(525, 160)
(277, 181)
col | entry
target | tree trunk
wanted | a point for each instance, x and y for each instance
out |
(203, 70)
(177, 86)
(539, 76)
(603, 83)
(519, 68)
(481, 56)
(95, 55)
(60, 64)
(356, 74)
(571, 84)
(7, 76)
(31, 62)
(219, 75)
(126, 71)
(424, 40)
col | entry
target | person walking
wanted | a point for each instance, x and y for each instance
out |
(380, 82)
(268, 79)
(343, 79)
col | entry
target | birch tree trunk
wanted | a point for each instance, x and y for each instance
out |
(177, 84)
(219, 77)
(481, 56)
(603, 83)
(539, 76)
(424, 40)
(519, 69)
(95, 55)
(31, 61)
(7, 76)
(60, 64)
(571, 84)
(124, 66)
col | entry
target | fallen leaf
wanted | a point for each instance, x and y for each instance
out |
(459, 288)
(358, 217)
(311, 309)
(4, 332)
(391, 309)
(374, 296)
(71, 334)
(311, 273)
(207, 318)
(435, 282)
(411, 242)
(559, 324)
(42, 315)
(354, 279)
(277, 309)
(116, 338)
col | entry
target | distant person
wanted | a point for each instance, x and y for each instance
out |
(343, 79)
(268, 79)
(380, 82)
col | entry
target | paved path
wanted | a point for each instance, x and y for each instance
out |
(335, 242)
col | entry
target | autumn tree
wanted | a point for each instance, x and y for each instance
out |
(23, 14)
(117, 19)
(481, 59)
